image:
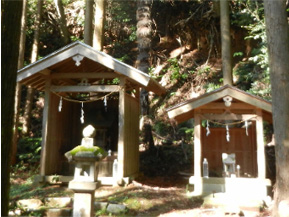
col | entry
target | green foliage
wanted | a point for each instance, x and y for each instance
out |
(253, 73)
(161, 128)
(115, 81)
(120, 29)
(211, 86)
(186, 133)
(203, 70)
(29, 150)
(176, 70)
(166, 160)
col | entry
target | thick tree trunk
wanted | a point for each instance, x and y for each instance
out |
(10, 27)
(144, 31)
(62, 21)
(226, 42)
(278, 46)
(99, 16)
(34, 54)
(88, 22)
(19, 86)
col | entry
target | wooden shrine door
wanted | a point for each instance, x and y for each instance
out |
(242, 145)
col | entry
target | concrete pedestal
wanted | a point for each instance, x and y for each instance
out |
(83, 205)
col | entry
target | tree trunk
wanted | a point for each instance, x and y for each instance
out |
(99, 16)
(10, 27)
(88, 22)
(216, 8)
(34, 54)
(226, 42)
(19, 86)
(144, 31)
(278, 48)
(62, 21)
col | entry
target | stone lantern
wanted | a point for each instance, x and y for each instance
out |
(86, 158)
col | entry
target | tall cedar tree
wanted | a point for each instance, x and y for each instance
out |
(88, 22)
(99, 16)
(10, 35)
(62, 21)
(19, 86)
(34, 55)
(226, 42)
(278, 46)
(144, 33)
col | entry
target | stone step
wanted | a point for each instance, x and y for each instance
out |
(61, 206)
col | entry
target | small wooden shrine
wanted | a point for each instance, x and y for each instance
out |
(84, 86)
(227, 122)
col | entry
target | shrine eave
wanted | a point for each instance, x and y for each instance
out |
(212, 102)
(35, 74)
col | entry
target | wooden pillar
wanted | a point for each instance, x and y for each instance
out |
(45, 123)
(197, 145)
(121, 129)
(261, 161)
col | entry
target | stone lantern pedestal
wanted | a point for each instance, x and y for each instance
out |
(83, 204)
(84, 185)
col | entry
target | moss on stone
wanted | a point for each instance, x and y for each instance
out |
(96, 151)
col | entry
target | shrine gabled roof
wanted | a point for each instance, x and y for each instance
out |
(94, 61)
(213, 102)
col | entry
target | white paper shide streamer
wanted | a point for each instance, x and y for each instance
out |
(105, 103)
(227, 133)
(82, 114)
(60, 105)
(246, 125)
(208, 129)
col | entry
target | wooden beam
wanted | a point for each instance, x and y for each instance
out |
(35, 82)
(221, 111)
(197, 145)
(228, 117)
(85, 75)
(40, 86)
(45, 128)
(261, 162)
(221, 105)
(90, 88)
(121, 131)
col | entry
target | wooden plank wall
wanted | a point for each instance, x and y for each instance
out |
(59, 134)
(242, 145)
(131, 137)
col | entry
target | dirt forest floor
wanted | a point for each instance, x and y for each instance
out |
(164, 197)
(146, 196)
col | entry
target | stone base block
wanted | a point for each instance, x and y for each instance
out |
(82, 186)
(83, 205)
(58, 212)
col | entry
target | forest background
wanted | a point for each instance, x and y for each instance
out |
(185, 57)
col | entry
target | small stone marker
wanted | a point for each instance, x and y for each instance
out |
(32, 204)
(116, 208)
(58, 201)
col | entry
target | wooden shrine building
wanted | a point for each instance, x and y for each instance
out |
(227, 121)
(84, 86)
